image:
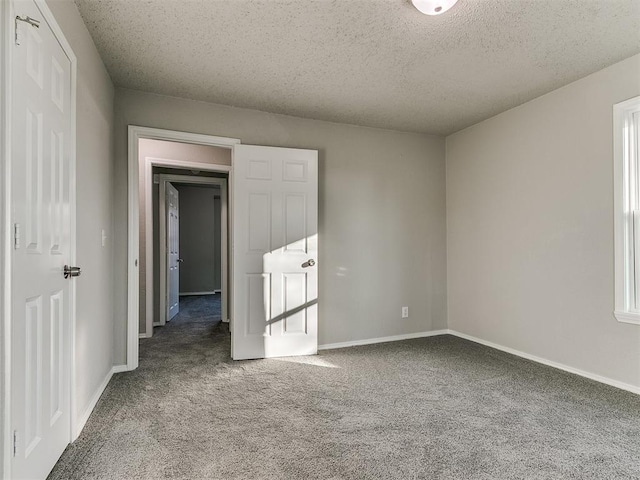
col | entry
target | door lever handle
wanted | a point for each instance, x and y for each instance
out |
(72, 271)
(309, 263)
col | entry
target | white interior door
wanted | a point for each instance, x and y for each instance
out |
(173, 251)
(41, 296)
(275, 246)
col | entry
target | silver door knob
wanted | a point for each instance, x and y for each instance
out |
(180, 260)
(309, 263)
(71, 271)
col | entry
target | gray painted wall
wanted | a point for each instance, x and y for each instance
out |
(199, 245)
(381, 212)
(530, 228)
(95, 288)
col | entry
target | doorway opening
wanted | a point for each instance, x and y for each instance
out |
(184, 255)
(190, 264)
(190, 247)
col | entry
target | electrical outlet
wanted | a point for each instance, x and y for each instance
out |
(405, 312)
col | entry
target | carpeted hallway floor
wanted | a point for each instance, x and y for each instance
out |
(200, 308)
(432, 408)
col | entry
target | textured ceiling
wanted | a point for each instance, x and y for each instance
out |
(377, 63)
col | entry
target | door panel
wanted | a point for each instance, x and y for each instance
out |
(294, 295)
(41, 296)
(173, 251)
(275, 234)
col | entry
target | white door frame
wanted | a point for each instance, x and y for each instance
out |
(5, 239)
(133, 250)
(6, 16)
(195, 180)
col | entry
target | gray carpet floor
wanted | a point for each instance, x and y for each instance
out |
(432, 408)
(199, 308)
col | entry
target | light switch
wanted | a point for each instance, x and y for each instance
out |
(104, 237)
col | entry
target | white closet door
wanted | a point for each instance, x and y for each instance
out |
(41, 295)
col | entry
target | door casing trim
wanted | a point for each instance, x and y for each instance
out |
(135, 133)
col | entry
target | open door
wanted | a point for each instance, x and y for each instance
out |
(172, 251)
(275, 247)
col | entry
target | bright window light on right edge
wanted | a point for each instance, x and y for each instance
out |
(433, 7)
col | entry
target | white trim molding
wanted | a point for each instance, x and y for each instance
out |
(576, 371)
(626, 166)
(627, 317)
(133, 228)
(371, 341)
(5, 236)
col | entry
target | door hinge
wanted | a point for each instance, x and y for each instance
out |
(15, 443)
(31, 21)
(16, 236)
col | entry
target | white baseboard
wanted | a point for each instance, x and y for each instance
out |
(120, 369)
(82, 421)
(393, 338)
(187, 294)
(534, 358)
(550, 363)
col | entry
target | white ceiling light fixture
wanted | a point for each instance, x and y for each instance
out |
(433, 7)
